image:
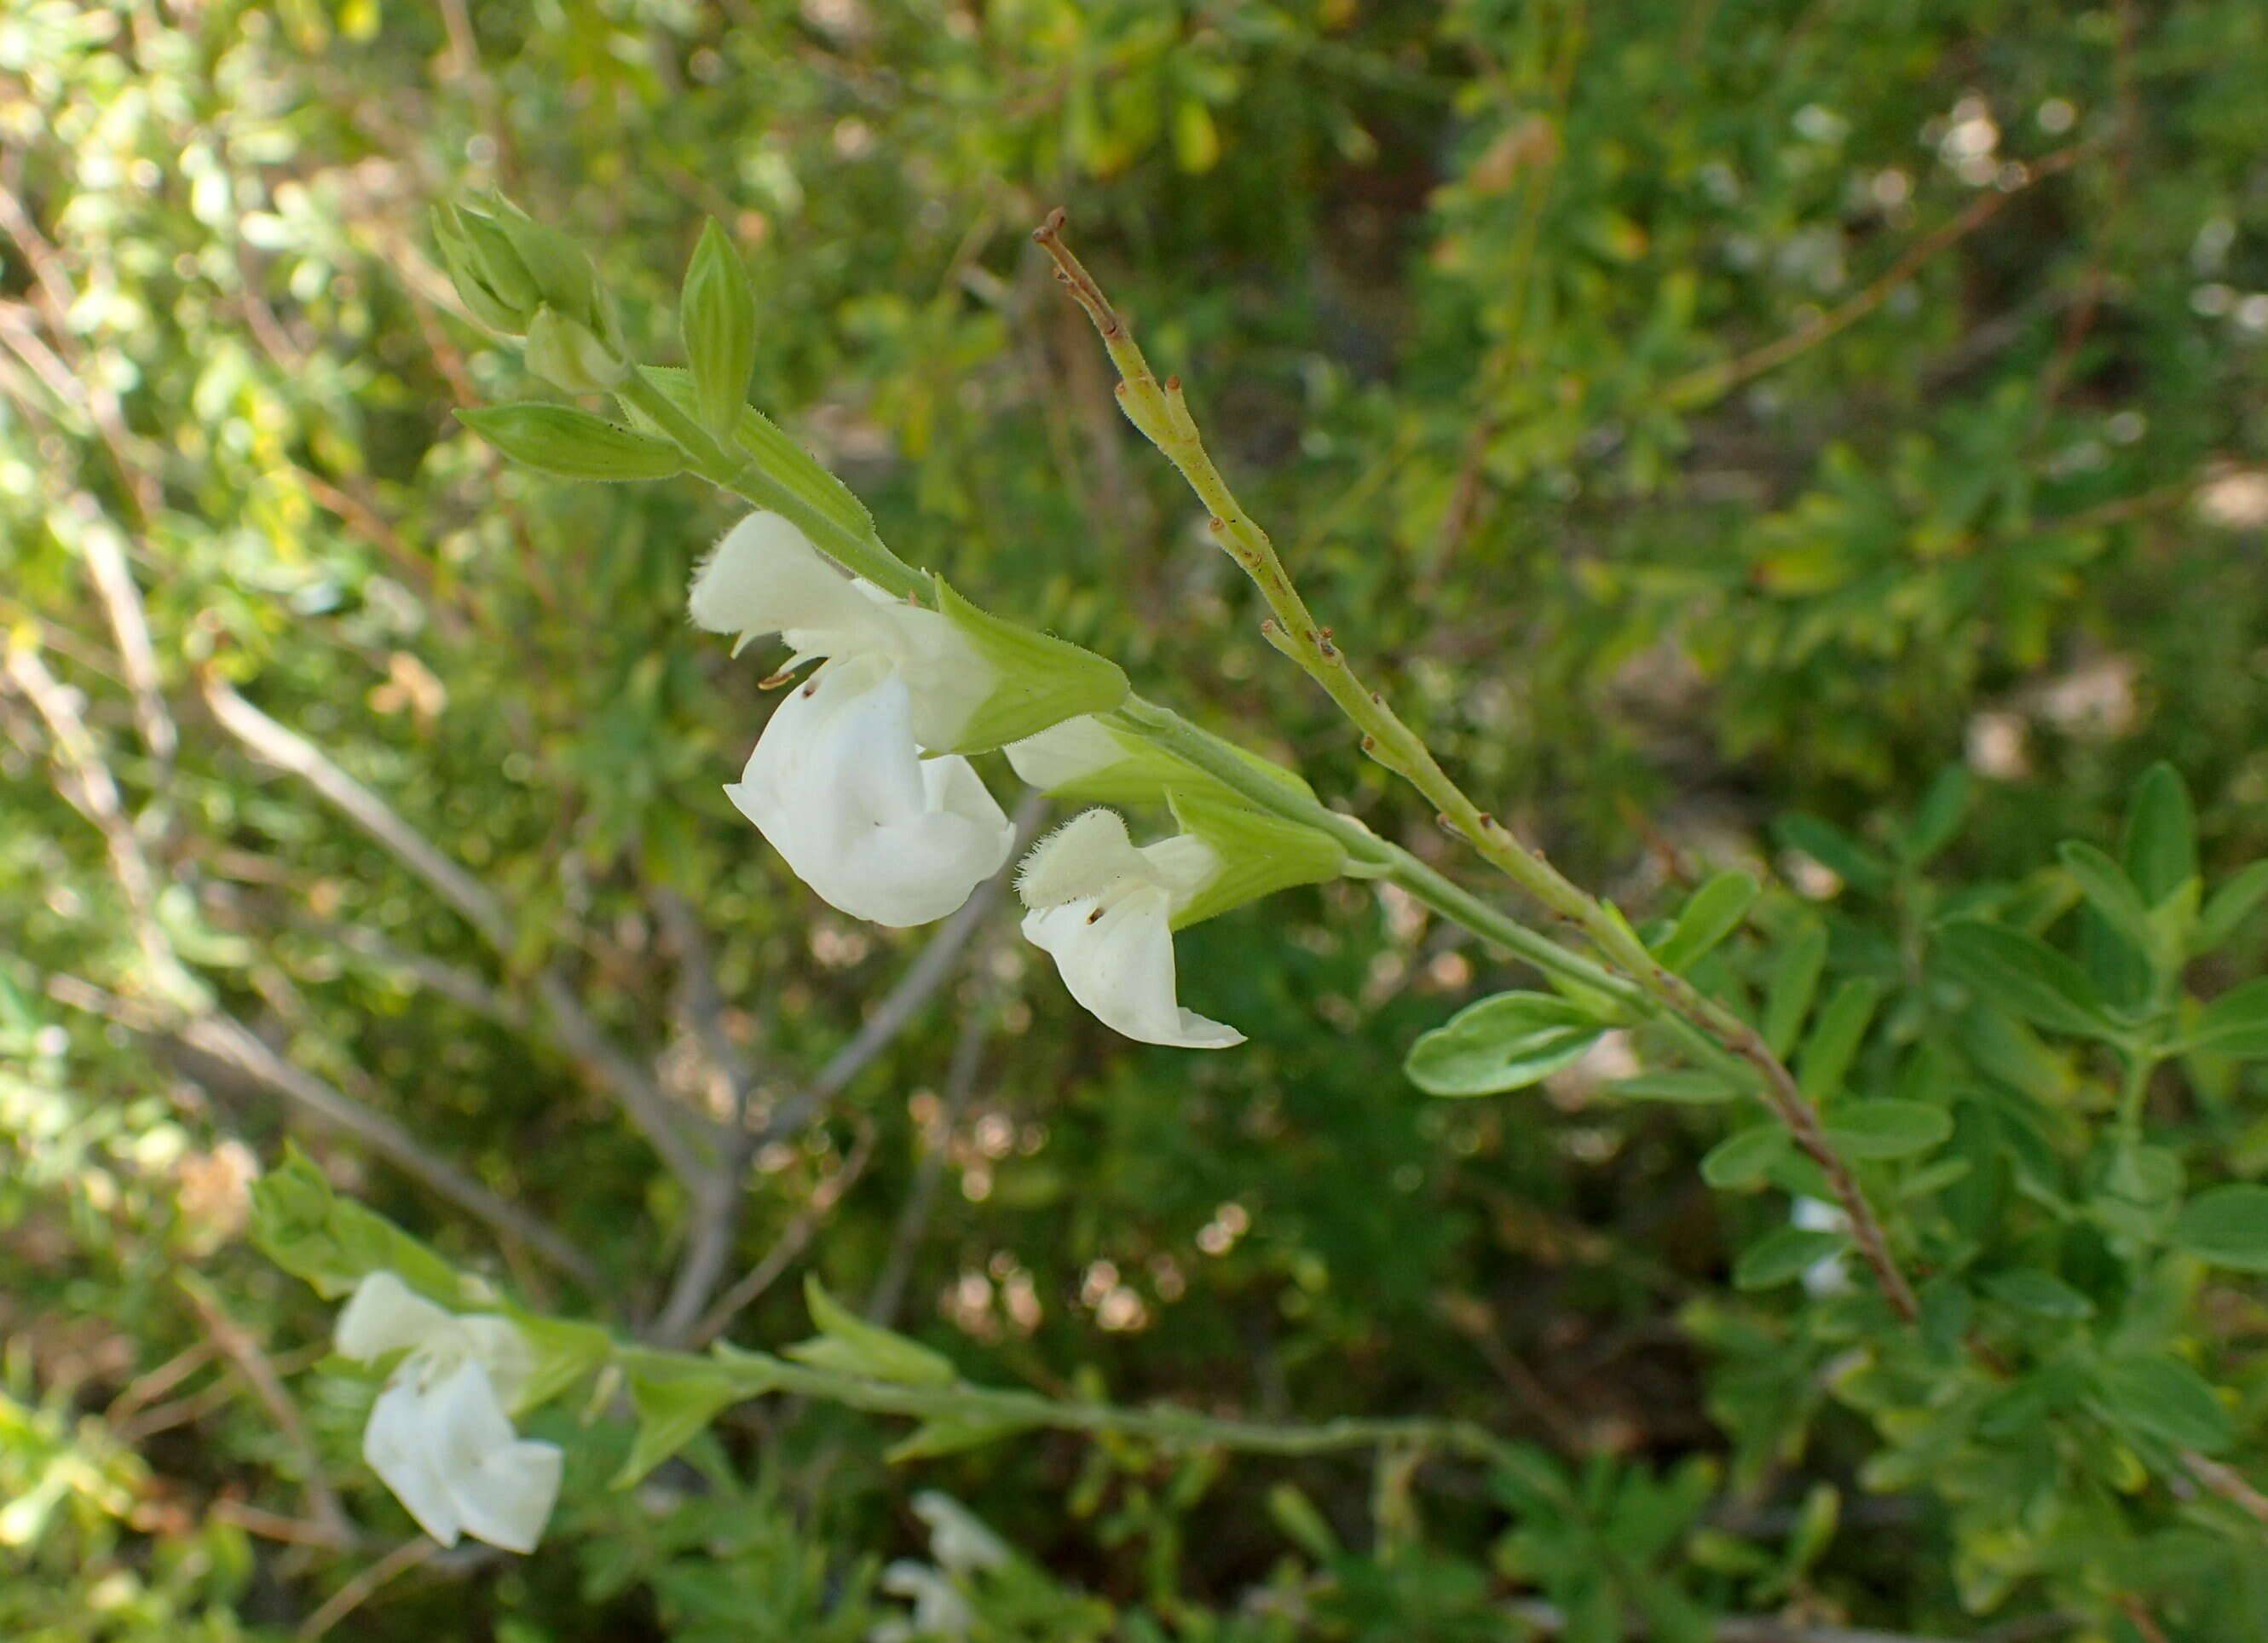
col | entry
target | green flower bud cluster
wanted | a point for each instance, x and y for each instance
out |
(520, 277)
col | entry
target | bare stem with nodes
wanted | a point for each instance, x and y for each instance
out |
(1161, 412)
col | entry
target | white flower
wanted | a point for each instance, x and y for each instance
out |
(837, 782)
(941, 1612)
(1104, 911)
(958, 1538)
(962, 1546)
(439, 1436)
(1831, 1274)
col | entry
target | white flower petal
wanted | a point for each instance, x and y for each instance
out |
(502, 1488)
(836, 784)
(1183, 864)
(506, 1498)
(1831, 1274)
(497, 1346)
(939, 1610)
(1088, 856)
(765, 577)
(948, 676)
(1116, 956)
(398, 1444)
(958, 1538)
(385, 1314)
(1064, 752)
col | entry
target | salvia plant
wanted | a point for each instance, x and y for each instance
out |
(793, 984)
(1947, 1133)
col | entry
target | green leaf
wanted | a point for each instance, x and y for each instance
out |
(2023, 975)
(1783, 1254)
(716, 319)
(2161, 839)
(2163, 1397)
(950, 1434)
(1937, 820)
(1746, 1157)
(1690, 1087)
(1828, 1051)
(847, 1341)
(1301, 1522)
(2028, 1289)
(2227, 1226)
(1713, 913)
(572, 444)
(675, 1397)
(1833, 848)
(332, 1243)
(1888, 1129)
(2111, 893)
(2235, 1023)
(1794, 985)
(2230, 904)
(1505, 1043)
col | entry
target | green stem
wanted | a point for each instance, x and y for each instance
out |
(1010, 1410)
(1170, 732)
(1160, 413)
(2141, 1061)
(733, 470)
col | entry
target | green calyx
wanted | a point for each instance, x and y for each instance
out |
(1259, 853)
(508, 268)
(1039, 680)
(1110, 766)
(567, 354)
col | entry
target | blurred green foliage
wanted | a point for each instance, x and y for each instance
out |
(1718, 422)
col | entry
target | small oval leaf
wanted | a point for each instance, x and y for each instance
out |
(2235, 1023)
(1690, 1087)
(2163, 1397)
(2227, 1226)
(572, 444)
(1506, 1042)
(1887, 1129)
(2028, 1289)
(1713, 913)
(1784, 1254)
(1744, 1158)
(2023, 975)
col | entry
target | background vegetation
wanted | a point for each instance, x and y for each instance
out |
(1830, 439)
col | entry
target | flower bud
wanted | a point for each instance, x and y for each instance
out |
(716, 317)
(497, 303)
(565, 353)
(507, 266)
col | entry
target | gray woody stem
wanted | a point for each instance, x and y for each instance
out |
(664, 1123)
